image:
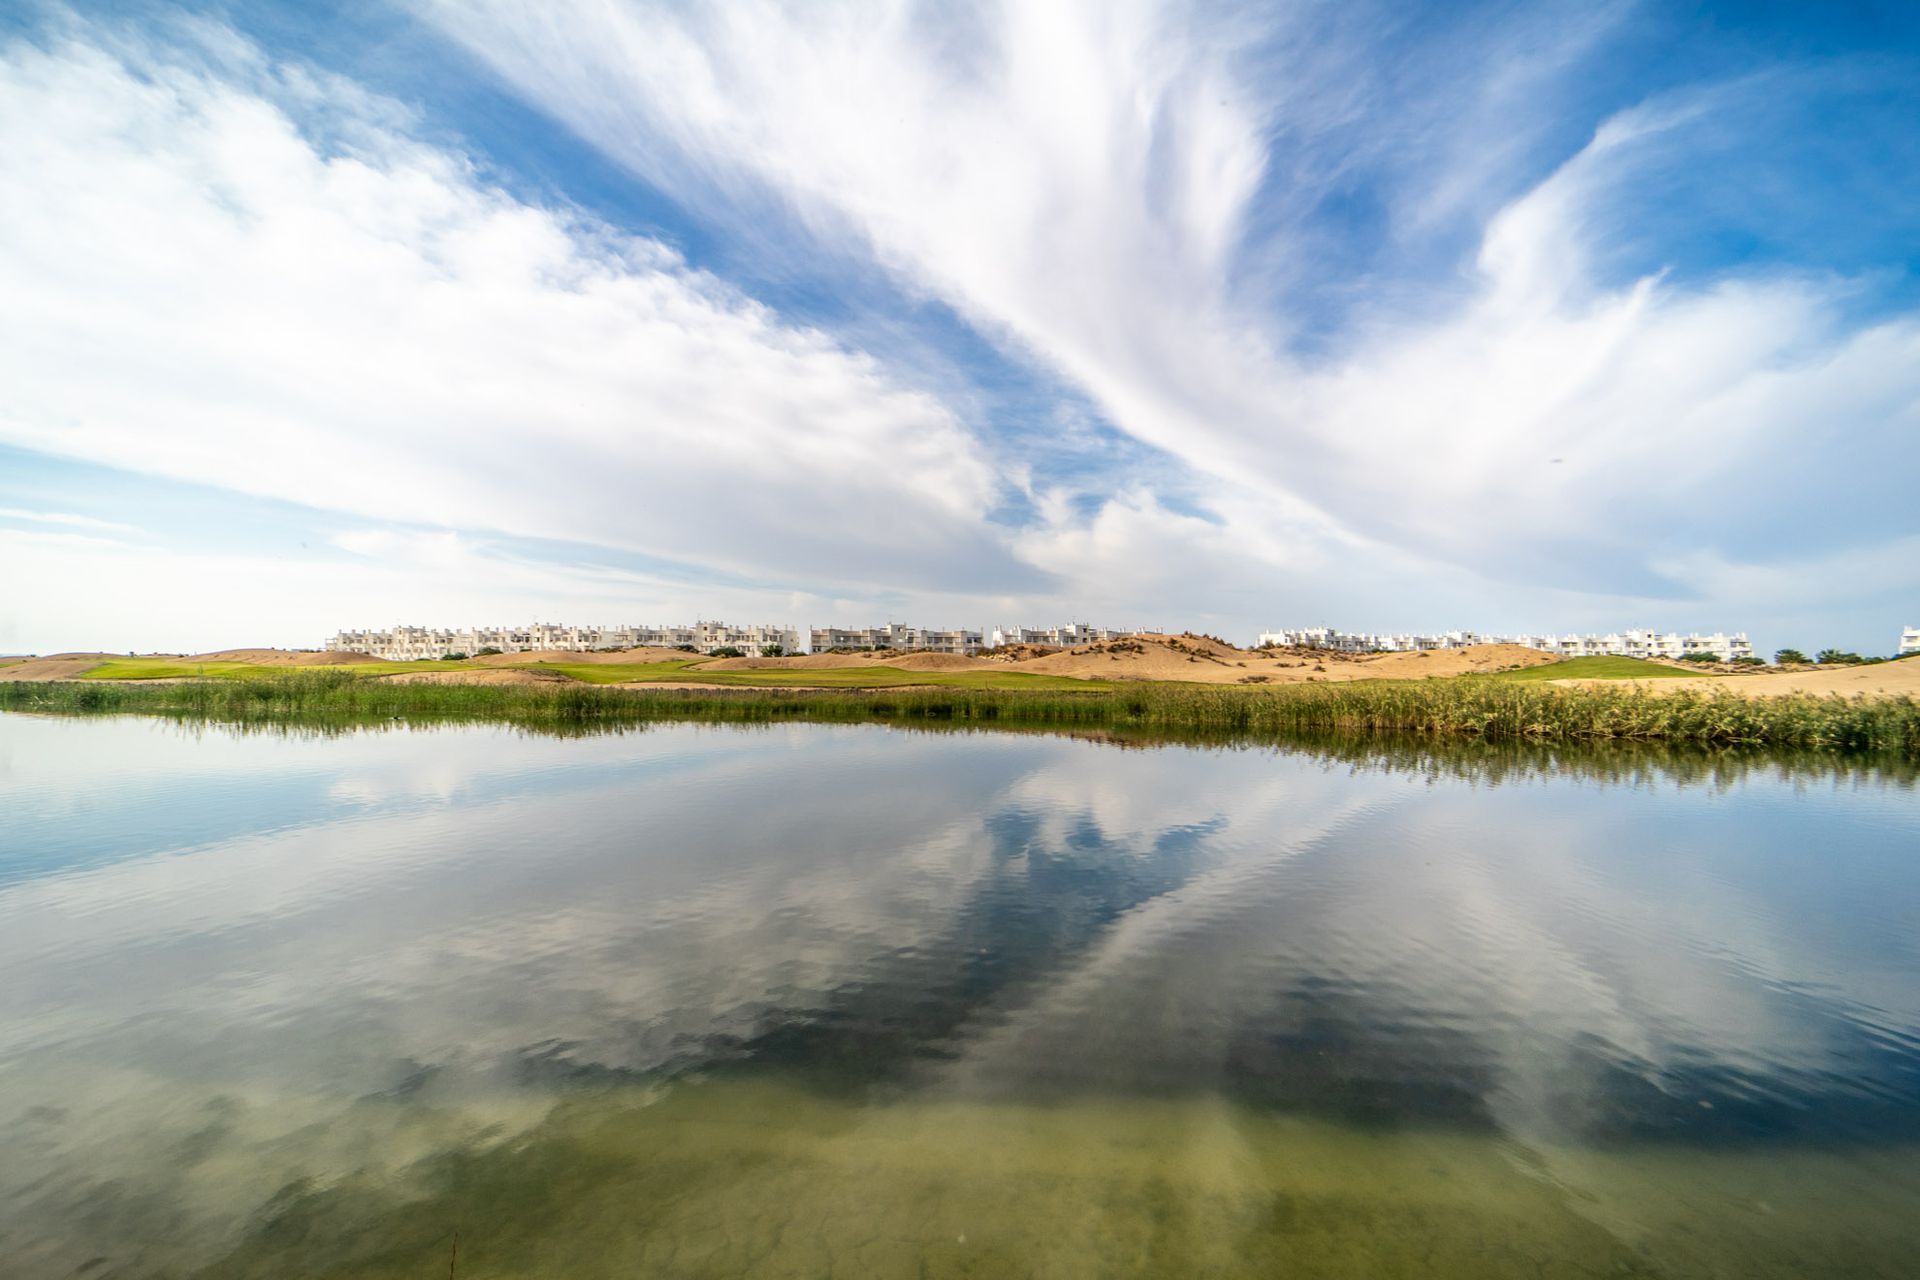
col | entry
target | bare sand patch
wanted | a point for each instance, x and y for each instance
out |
(583, 656)
(794, 662)
(1479, 659)
(1881, 679)
(61, 666)
(940, 662)
(283, 657)
(485, 676)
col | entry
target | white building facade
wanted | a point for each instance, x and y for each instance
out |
(1072, 635)
(896, 637)
(1624, 644)
(406, 644)
(1910, 640)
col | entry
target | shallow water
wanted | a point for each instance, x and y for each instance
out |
(812, 1000)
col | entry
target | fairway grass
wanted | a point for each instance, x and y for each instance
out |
(1605, 668)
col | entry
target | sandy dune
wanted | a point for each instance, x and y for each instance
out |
(282, 657)
(596, 656)
(482, 676)
(841, 661)
(1880, 678)
(1208, 661)
(61, 666)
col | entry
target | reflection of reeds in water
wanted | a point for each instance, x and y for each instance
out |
(1486, 709)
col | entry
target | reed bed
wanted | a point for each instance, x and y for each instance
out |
(1481, 708)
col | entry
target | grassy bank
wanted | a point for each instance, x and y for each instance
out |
(1485, 708)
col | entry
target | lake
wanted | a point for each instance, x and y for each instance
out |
(849, 1000)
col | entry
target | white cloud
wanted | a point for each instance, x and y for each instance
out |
(1077, 179)
(66, 520)
(199, 289)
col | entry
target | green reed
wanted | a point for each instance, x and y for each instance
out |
(1483, 708)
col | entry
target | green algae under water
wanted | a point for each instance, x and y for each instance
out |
(846, 1001)
(733, 1178)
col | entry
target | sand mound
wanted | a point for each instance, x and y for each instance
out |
(1880, 679)
(283, 657)
(842, 661)
(1147, 658)
(798, 662)
(483, 676)
(1476, 659)
(63, 666)
(644, 654)
(940, 662)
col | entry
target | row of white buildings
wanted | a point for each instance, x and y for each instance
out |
(896, 636)
(405, 644)
(1624, 644)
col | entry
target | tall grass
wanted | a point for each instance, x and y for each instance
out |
(1489, 709)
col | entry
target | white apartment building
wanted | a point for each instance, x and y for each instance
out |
(1371, 641)
(1070, 636)
(1625, 644)
(895, 636)
(404, 644)
(1910, 640)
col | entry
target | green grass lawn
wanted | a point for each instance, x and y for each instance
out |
(1607, 668)
(171, 669)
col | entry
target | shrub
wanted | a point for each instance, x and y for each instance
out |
(1784, 656)
(727, 651)
(686, 648)
(1700, 657)
(773, 651)
(1837, 656)
(456, 657)
(487, 652)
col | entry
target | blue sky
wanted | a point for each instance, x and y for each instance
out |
(1219, 316)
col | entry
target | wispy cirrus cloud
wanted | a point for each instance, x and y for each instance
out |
(246, 274)
(1132, 197)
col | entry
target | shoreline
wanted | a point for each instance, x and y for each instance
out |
(1488, 709)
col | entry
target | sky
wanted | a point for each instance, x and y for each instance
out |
(1221, 317)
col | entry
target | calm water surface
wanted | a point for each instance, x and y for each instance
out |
(847, 1001)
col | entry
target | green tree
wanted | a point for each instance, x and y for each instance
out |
(1784, 656)
(728, 651)
(773, 651)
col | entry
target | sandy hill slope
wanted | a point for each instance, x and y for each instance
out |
(59, 666)
(831, 661)
(797, 662)
(484, 675)
(1479, 659)
(1880, 678)
(282, 657)
(1204, 660)
(595, 656)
